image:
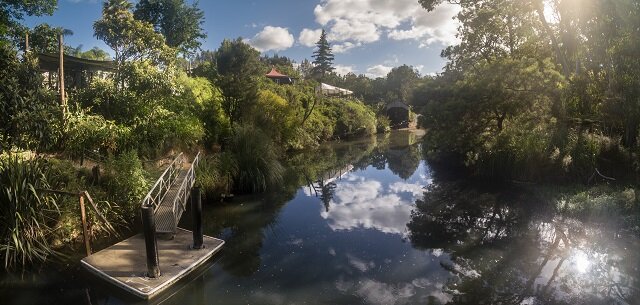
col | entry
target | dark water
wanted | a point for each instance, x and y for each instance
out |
(369, 222)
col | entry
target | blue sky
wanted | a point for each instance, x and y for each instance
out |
(367, 36)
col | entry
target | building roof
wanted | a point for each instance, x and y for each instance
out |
(397, 104)
(332, 90)
(51, 62)
(275, 74)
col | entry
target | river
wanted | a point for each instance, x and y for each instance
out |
(370, 222)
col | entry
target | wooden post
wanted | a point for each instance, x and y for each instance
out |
(63, 101)
(85, 230)
(150, 242)
(196, 210)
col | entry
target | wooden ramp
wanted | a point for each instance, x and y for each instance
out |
(124, 264)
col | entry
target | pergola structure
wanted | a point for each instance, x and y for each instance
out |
(280, 78)
(78, 71)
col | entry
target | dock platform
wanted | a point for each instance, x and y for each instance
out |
(124, 264)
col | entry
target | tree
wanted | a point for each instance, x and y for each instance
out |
(239, 69)
(130, 39)
(96, 54)
(401, 81)
(305, 68)
(322, 57)
(44, 39)
(14, 10)
(180, 23)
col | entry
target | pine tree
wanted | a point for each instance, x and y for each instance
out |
(322, 57)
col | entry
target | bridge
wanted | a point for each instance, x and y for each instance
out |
(167, 260)
(168, 196)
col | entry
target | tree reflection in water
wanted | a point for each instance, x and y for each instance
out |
(505, 248)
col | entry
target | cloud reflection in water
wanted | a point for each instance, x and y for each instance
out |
(370, 204)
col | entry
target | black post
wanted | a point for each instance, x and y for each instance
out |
(149, 225)
(196, 210)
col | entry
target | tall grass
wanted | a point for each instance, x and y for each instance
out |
(26, 215)
(257, 160)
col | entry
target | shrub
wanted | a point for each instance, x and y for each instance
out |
(257, 160)
(383, 124)
(29, 114)
(26, 213)
(86, 132)
(352, 117)
(126, 182)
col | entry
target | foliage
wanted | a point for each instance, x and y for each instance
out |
(239, 68)
(95, 54)
(29, 113)
(401, 81)
(125, 178)
(162, 108)
(14, 10)
(26, 212)
(179, 23)
(130, 39)
(351, 117)
(529, 98)
(322, 57)
(257, 160)
(87, 133)
(383, 124)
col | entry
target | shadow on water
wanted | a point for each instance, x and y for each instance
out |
(506, 247)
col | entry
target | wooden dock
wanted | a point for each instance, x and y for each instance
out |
(124, 264)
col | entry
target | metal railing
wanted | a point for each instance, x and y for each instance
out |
(180, 201)
(163, 184)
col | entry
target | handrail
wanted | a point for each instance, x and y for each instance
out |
(189, 180)
(164, 182)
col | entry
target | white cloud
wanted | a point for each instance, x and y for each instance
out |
(362, 204)
(365, 21)
(343, 70)
(417, 190)
(378, 71)
(344, 47)
(376, 292)
(308, 38)
(272, 38)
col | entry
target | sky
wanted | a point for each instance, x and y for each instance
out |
(367, 36)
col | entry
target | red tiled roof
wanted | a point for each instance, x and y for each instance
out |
(275, 73)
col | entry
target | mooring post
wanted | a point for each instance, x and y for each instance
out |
(85, 229)
(149, 226)
(196, 211)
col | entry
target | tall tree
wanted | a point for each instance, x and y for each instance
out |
(401, 81)
(239, 68)
(14, 10)
(322, 57)
(180, 23)
(130, 39)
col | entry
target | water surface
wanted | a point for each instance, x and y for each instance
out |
(369, 222)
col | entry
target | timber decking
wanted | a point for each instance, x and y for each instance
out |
(124, 264)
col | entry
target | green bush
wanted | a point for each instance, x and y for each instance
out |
(86, 132)
(126, 182)
(26, 213)
(352, 118)
(30, 117)
(383, 124)
(257, 160)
